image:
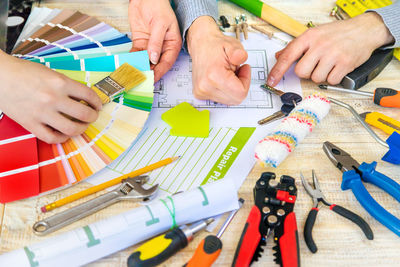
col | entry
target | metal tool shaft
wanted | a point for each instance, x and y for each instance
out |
(339, 89)
(363, 123)
(271, 89)
(229, 219)
(73, 214)
(276, 116)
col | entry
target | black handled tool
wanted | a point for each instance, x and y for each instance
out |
(317, 197)
(368, 70)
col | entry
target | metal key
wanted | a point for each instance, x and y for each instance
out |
(285, 110)
(288, 98)
(130, 189)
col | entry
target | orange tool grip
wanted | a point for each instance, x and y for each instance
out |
(206, 253)
(387, 97)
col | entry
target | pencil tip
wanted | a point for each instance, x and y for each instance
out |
(175, 158)
(43, 209)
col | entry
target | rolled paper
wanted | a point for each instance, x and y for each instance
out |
(102, 238)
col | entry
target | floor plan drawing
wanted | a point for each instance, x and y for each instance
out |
(176, 87)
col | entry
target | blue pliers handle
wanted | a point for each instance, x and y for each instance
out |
(352, 180)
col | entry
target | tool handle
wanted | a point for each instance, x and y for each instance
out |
(272, 16)
(387, 97)
(383, 122)
(158, 250)
(312, 216)
(206, 253)
(74, 214)
(355, 219)
(249, 239)
(289, 242)
(282, 21)
(370, 175)
(352, 180)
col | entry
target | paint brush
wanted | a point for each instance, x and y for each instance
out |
(122, 79)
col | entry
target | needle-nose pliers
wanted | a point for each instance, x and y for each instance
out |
(317, 196)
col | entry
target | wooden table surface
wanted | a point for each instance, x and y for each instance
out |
(340, 242)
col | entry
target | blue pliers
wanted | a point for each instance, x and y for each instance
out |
(354, 174)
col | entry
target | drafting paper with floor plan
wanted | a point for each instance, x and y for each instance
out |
(176, 87)
(229, 149)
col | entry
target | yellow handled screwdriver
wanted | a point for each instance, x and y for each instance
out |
(160, 248)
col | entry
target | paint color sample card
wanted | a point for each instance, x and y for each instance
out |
(19, 170)
(82, 48)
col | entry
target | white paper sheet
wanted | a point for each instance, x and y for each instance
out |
(200, 156)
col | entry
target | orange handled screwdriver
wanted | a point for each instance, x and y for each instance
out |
(385, 97)
(210, 247)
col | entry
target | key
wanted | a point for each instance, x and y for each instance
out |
(287, 98)
(285, 110)
(130, 189)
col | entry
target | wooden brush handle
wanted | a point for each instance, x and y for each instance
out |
(282, 21)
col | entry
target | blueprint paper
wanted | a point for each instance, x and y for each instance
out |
(234, 132)
(97, 240)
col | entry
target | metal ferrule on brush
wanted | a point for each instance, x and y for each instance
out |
(109, 87)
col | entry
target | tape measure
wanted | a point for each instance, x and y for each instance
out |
(356, 7)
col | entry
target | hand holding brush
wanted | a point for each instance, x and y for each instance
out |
(41, 100)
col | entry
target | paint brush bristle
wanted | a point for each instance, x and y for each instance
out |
(128, 76)
(122, 79)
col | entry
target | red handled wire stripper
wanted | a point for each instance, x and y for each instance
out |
(273, 211)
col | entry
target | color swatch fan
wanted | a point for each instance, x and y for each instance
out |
(86, 50)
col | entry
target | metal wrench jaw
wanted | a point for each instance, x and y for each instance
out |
(340, 158)
(315, 194)
(132, 188)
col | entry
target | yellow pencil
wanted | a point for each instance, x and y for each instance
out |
(107, 184)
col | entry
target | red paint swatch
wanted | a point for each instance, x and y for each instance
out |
(19, 172)
(51, 172)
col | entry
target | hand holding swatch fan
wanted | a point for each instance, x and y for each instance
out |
(86, 50)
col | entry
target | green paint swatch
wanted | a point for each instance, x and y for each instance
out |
(229, 155)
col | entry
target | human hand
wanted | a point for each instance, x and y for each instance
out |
(154, 27)
(37, 98)
(331, 51)
(216, 59)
